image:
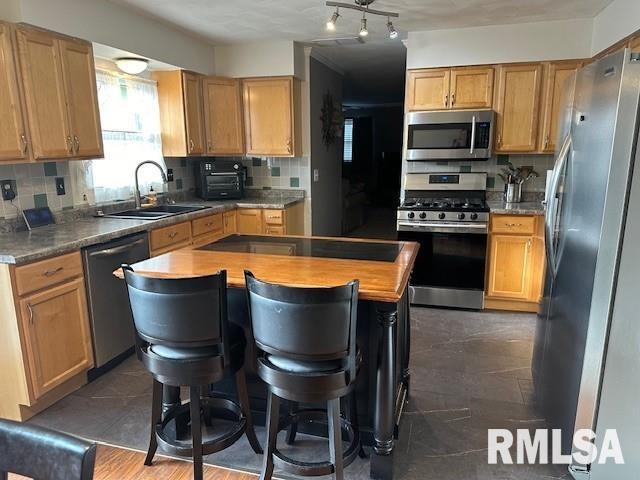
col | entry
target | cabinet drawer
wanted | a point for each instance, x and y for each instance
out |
(274, 217)
(170, 236)
(206, 239)
(45, 273)
(208, 224)
(522, 224)
(273, 230)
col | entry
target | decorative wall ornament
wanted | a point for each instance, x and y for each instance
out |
(331, 118)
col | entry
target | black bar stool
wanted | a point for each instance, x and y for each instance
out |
(307, 339)
(37, 452)
(184, 338)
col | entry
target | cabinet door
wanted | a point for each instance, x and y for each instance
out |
(223, 116)
(471, 87)
(268, 116)
(229, 224)
(249, 220)
(13, 137)
(82, 98)
(634, 45)
(559, 84)
(56, 331)
(428, 89)
(192, 91)
(510, 266)
(517, 107)
(43, 83)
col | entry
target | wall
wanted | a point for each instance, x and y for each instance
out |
(327, 191)
(10, 10)
(256, 59)
(110, 24)
(500, 43)
(620, 19)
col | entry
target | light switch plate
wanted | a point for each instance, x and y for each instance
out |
(316, 175)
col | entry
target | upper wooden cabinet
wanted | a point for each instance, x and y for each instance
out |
(223, 116)
(272, 117)
(559, 85)
(181, 118)
(58, 79)
(450, 88)
(14, 142)
(634, 45)
(517, 105)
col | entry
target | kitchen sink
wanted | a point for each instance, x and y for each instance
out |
(154, 213)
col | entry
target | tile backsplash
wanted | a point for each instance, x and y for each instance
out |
(275, 172)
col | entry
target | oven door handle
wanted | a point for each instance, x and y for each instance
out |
(474, 228)
(473, 134)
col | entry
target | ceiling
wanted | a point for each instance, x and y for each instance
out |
(376, 65)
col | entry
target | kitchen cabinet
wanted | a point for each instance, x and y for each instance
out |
(517, 105)
(45, 340)
(272, 116)
(58, 78)
(515, 268)
(249, 220)
(172, 237)
(207, 229)
(223, 116)
(559, 84)
(229, 224)
(181, 113)
(450, 88)
(634, 44)
(14, 143)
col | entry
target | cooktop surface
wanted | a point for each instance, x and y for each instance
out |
(307, 247)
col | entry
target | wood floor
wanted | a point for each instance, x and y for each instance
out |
(120, 464)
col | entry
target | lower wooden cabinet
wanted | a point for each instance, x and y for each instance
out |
(229, 224)
(166, 239)
(515, 267)
(249, 220)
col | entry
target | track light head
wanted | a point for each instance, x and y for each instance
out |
(363, 27)
(331, 24)
(393, 33)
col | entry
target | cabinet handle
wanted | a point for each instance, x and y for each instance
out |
(31, 315)
(173, 235)
(190, 145)
(499, 139)
(210, 146)
(289, 146)
(25, 144)
(70, 144)
(446, 100)
(52, 272)
(528, 246)
(453, 99)
(546, 142)
(273, 216)
(511, 225)
(208, 224)
(76, 142)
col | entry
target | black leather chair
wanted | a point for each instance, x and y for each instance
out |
(44, 454)
(307, 340)
(184, 338)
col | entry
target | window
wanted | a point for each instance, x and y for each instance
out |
(348, 140)
(130, 117)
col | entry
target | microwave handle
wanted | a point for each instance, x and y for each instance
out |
(473, 134)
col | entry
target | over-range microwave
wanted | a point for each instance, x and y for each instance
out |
(460, 135)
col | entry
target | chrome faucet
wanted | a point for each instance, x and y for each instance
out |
(137, 191)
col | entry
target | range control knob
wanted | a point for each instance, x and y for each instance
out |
(474, 216)
(461, 216)
(441, 216)
(411, 214)
(423, 215)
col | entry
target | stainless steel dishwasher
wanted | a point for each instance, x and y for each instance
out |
(111, 321)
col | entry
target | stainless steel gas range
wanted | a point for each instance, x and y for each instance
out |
(447, 214)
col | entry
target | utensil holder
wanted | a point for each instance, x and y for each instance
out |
(513, 193)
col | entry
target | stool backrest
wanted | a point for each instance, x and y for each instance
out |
(179, 312)
(310, 324)
(44, 454)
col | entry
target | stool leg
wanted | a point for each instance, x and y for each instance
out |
(335, 438)
(273, 420)
(156, 416)
(206, 413)
(353, 419)
(196, 431)
(243, 398)
(293, 428)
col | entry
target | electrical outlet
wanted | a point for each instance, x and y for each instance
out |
(316, 175)
(60, 186)
(169, 174)
(8, 189)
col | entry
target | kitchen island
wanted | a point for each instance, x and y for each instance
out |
(383, 332)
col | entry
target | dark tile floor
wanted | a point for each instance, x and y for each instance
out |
(470, 372)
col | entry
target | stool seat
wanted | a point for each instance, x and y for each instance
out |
(237, 344)
(304, 366)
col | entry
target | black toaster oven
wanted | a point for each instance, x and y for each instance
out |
(220, 179)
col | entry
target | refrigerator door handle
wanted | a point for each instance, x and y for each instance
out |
(551, 206)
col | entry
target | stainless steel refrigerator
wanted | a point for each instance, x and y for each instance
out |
(586, 365)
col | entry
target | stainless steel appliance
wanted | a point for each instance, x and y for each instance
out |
(587, 348)
(447, 215)
(463, 135)
(111, 321)
(220, 179)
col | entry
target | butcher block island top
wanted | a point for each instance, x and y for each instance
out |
(382, 267)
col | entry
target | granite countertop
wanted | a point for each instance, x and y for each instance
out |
(522, 208)
(23, 247)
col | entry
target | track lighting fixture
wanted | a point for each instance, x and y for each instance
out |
(393, 33)
(361, 6)
(363, 27)
(331, 24)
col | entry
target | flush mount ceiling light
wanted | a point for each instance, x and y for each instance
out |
(362, 6)
(132, 65)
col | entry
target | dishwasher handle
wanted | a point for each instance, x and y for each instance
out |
(108, 252)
